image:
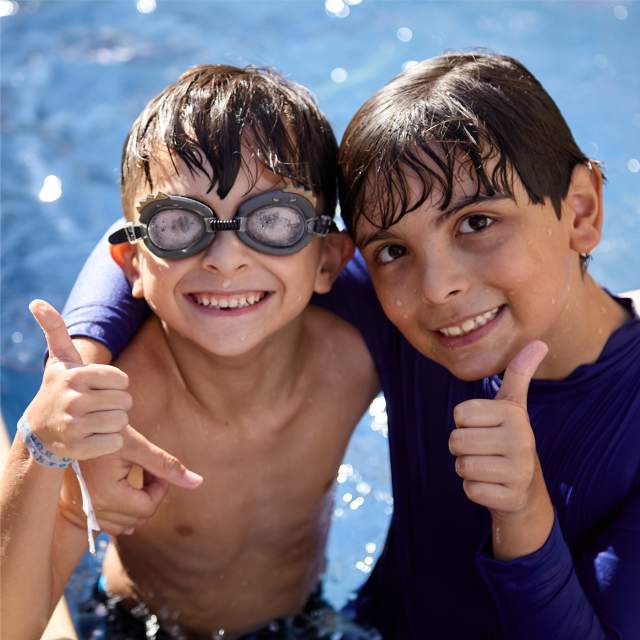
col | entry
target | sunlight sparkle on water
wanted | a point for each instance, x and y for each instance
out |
(620, 12)
(339, 75)
(146, 6)
(51, 189)
(404, 34)
(8, 8)
(378, 405)
(337, 8)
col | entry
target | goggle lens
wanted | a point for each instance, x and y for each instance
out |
(175, 229)
(276, 226)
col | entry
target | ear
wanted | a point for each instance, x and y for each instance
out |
(584, 202)
(337, 250)
(126, 255)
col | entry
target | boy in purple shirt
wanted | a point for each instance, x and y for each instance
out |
(516, 501)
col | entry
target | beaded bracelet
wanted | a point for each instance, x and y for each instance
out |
(39, 452)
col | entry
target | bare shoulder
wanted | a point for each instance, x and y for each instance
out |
(635, 296)
(146, 360)
(340, 347)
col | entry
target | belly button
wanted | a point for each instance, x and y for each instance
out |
(184, 530)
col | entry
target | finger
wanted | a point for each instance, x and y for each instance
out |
(480, 441)
(161, 464)
(104, 376)
(112, 421)
(112, 528)
(491, 469)
(141, 504)
(515, 384)
(94, 446)
(103, 400)
(55, 332)
(118, 519)
(482, 413)
(490, 495)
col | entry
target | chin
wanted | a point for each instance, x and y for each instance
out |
(470, 369)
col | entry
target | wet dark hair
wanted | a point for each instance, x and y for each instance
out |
(450, 113)
(212, 111)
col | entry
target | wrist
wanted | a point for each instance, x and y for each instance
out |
(520, 533)
(37, 448)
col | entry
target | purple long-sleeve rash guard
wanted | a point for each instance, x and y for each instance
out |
(436, 577)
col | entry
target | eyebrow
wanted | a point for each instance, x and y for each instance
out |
(385, 234)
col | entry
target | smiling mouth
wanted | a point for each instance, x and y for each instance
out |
(240, 301)
(466, 327)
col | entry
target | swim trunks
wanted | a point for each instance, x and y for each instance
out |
(111, 620)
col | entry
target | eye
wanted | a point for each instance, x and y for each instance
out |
(389, 253)
(475, 223)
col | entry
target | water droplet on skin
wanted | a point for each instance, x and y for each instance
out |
(553, 300)
(226, 284)
(398, 303)
(405, 316)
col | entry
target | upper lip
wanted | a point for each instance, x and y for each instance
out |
(462, 319)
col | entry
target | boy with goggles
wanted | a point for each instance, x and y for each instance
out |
(512, 378)
(174, 227)
(231, 374)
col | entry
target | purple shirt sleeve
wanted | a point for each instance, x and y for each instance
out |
(548, 595)
(100, 305)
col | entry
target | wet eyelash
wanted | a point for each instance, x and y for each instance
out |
(489, 222)
(389, 246)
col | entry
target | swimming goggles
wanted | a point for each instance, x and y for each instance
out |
(175, 227)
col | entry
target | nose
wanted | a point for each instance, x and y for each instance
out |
(226, 255)
(443, 277)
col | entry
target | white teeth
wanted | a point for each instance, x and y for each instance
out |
(471, 324)
(228, 303)
(468, 325)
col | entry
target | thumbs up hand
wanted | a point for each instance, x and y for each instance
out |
(80, 410)
(496, 456)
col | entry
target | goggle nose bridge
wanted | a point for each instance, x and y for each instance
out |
(215, 224)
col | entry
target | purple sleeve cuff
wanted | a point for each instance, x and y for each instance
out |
(538, 596)
(100, 305)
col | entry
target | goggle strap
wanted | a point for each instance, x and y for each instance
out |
(129, 232)
(320, 225)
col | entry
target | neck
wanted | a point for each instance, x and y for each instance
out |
(588, 319)
(232, 386)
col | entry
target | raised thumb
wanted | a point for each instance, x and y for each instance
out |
(55, 332)
(517, 377)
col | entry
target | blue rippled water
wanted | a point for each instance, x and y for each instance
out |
(76, 73)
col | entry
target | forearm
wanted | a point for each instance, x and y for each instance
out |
(38, 548)
(92, 351)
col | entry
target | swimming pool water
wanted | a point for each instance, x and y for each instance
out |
(76, 73)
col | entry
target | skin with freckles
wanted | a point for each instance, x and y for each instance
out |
(488, 285)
